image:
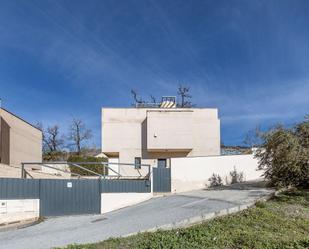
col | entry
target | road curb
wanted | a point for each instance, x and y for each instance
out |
(201, 218)
(19, 224)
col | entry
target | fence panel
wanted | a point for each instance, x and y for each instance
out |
(13, 188)
(161, 180)
(69, 197)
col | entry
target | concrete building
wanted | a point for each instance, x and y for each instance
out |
(153, 135)
(19, 140)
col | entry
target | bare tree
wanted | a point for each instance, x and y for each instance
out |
(52, 139)
(183, 92)
(153, 98)
(137, 99)
(39, 125)
(78, 134)
(253, 137)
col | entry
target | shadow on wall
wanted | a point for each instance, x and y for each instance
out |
(4, 142)
(194, 172)
(156, 155)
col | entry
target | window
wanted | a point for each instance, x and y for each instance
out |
(137, 162)
(162, 163)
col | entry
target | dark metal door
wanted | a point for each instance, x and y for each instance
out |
(69, 197)
(161, 179)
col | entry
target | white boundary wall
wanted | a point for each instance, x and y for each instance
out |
(114, 201)
(19, 210)
(190, 173)
(114, 167)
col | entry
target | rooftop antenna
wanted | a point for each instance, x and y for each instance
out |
(0, 103)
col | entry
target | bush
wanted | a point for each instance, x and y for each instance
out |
(236, 177)
(98, 168)
(55, 156)
(284, 155)
(215, 180)
(260, 204)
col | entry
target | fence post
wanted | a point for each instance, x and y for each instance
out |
(22, 171)
(40, 202)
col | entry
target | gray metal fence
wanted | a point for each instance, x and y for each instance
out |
(79, 193)
(13, 188)
(68, 196)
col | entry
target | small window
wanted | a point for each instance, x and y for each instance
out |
(137, 162)
(162, 163)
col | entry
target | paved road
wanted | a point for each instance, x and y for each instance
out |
(158, 212)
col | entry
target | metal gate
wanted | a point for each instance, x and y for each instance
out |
(69, 197)
(161, 179)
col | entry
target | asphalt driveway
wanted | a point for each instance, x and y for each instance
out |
(162, 212)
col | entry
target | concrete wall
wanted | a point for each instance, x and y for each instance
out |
(169, 130)
(131, 171)
(25, 140)
(124, 133)
(19, 210)
(114, 201)
(114, 167)
(193, 172)
(61, 167)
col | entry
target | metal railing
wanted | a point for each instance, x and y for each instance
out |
(141, 171)
(166, 102)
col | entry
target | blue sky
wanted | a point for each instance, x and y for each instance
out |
(64, 59)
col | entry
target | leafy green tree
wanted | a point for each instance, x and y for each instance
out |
(284, 155)
(302, 132)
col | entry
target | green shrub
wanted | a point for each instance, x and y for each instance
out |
(236, 177)
(284, 155)
(260, 204)
(98, 168)
(55, 156)
(215, 180)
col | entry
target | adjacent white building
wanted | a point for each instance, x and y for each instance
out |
(19, 140)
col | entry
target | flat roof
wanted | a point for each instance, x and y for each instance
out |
(158, 108)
